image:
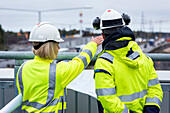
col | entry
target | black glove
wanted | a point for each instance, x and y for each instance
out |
(151, 109)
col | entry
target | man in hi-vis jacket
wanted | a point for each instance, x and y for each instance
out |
(125, 78)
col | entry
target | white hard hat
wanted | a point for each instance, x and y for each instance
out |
(111, 18)
(43, 32)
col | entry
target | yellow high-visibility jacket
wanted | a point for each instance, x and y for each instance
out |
(42, 82)
(125, 79)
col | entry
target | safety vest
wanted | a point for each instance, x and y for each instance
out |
(125, 79)
(42, 82)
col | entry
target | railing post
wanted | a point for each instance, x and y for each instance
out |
(89, 101)
(18, 63)
(169, 101)
(76, 102)
(2, 97)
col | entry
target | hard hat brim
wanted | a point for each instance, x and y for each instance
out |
(111, 27)
(61, 40)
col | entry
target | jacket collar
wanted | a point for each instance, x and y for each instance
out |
(112, 38)
(43, 59)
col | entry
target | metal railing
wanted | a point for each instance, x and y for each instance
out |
(69, 55)
(21, 56)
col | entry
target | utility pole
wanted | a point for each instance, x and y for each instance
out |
(151, 26)
(160, 27)
(39, 16)
(81, 21)
(160, 22)
(151, 29)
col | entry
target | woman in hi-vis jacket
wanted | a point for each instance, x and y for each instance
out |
(42, 82)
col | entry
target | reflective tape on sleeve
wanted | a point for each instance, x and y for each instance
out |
(153, 82)
(105, 91)
(128, 98)
(101, 70)
(88, 52)
(134, 55)
(107, 57)
(153, 100)
(125, 110)
(83, 58)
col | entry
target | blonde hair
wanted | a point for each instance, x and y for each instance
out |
(48, 50)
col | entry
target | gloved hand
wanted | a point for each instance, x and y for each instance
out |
(151, 109)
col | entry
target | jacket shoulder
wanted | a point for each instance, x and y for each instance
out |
(106, 56)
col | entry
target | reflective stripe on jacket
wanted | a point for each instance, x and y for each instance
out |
(126, 81)
(42, 82)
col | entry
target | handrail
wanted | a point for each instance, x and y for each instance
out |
(68, 55)
(159, 56)
(19, 56)
(29, 55)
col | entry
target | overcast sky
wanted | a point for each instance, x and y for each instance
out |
(154, 11)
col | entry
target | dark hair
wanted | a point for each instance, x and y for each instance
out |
(109, 31)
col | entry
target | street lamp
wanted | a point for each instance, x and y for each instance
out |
(42, 11)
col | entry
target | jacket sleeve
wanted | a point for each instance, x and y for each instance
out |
(105, 88)
(151, 109)
(70, 70)
(154, 91)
